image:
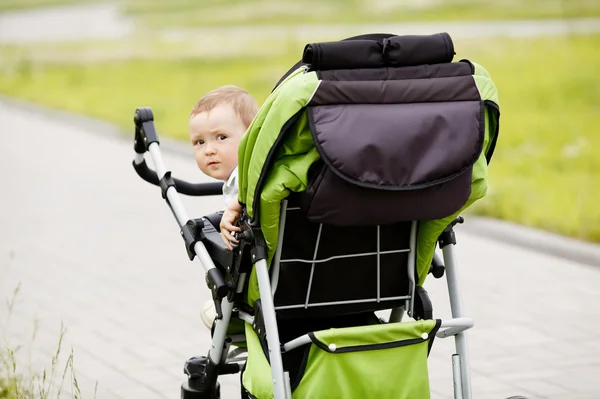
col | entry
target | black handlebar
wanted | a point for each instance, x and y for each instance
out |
(183, 187)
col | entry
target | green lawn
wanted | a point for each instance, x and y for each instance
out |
(545, 171)
(194, 13)
(12, 5)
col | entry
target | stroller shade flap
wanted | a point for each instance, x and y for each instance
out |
(462, 68)
(402, 150)
(398, 147)
(455, 88)
(403, 50)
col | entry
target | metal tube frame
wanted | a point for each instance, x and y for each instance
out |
(447, 328)
(276, 258)
(266, 297)
(175, 202)
(412, 256)
(217, 351)
(460, 337)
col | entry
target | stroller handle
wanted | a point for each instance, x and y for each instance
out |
(145, 135)
(183, 187)
(146, 140)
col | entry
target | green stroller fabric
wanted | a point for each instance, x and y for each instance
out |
(275, 166)
(353, 363)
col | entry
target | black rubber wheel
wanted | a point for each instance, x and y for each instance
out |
(189, 394)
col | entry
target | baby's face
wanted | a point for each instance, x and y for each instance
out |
(215, 136)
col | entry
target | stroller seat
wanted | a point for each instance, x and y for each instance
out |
(354, 170)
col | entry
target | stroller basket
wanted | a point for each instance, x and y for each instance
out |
(353, 363)
(353, 171)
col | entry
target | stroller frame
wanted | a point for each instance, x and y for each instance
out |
(201, 238)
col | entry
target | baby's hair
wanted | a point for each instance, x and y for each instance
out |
(244, 104)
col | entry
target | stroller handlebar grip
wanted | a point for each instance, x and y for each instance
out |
(145, 132)
(183, 187)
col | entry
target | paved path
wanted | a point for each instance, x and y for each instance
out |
(102, 21)
(94, 246)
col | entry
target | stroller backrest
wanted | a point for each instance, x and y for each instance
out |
(323, 270)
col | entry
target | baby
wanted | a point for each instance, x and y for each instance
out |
(217, 123)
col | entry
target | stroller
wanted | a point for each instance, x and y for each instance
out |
(355, 168)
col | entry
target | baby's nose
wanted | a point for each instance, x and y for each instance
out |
(208, 149)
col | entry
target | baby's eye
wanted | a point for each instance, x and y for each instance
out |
(199, 142)
(221, 137)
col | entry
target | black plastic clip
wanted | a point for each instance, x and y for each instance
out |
(259, 327)
(218, 287)
(191, 232)
(166, 182)
(448, 237)
(258, 253)
(259, 247)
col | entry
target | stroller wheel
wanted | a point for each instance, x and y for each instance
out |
(189, 393)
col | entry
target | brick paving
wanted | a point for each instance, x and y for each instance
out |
(95, 247)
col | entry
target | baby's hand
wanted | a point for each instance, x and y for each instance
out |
(227, 225)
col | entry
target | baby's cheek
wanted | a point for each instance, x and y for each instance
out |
(198, 159)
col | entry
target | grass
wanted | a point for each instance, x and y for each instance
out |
(205, 13)
(13, 5)
(113, 90)
(193, 13)
(16, 382)
(544, 172)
